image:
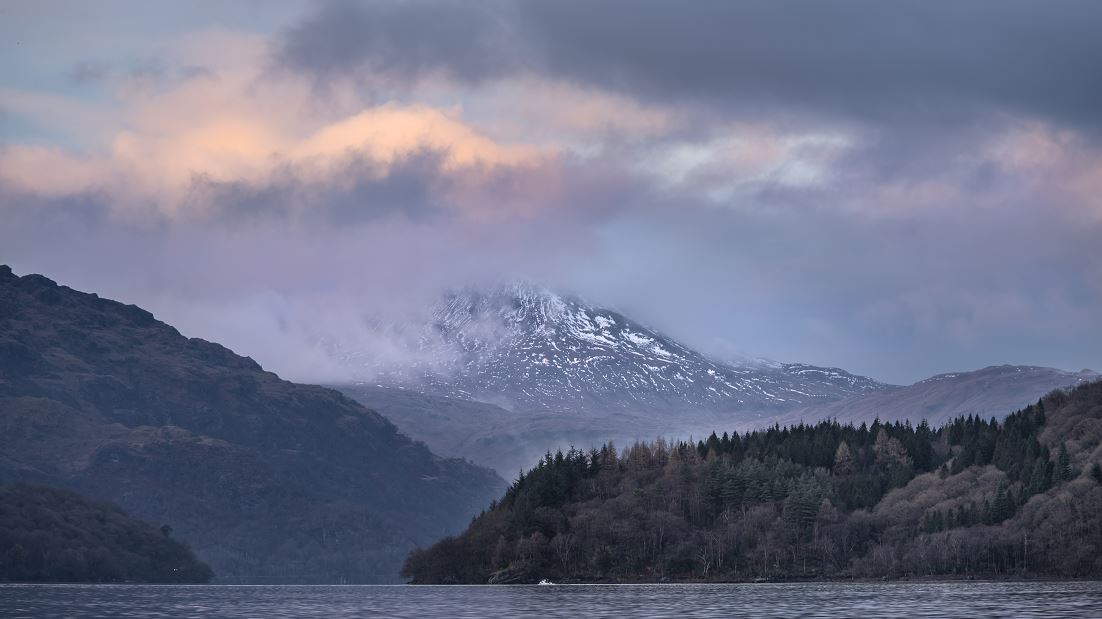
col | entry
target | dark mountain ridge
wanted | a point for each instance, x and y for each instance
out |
(269, 480)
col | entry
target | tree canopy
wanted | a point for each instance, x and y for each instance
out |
(976, 496)
(51, 535)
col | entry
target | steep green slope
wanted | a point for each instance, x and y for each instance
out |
(269, 480)
(51, 535)
(975, 497)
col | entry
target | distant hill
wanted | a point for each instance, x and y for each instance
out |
(488, 435)
(974, 498)
(512, 440)
(270, 481)
(483, 433)
(52, 535)
(989, 392)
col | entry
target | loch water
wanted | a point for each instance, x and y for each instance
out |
(864, 600)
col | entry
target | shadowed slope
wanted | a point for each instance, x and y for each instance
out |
(269, 480)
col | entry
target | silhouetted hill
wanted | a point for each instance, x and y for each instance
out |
(52, 535)
(1021, 497)
(269, 480)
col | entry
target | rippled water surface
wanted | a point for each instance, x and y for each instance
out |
(969, 599)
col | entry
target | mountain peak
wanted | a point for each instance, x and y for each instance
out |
(524, 346)
(513, 302)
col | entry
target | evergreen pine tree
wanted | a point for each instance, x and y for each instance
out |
(1000, 506)
(1063, 464)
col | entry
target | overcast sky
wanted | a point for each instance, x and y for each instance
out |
(895, 188)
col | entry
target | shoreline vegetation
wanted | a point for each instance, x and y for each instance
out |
(973, 499)
(48, 535)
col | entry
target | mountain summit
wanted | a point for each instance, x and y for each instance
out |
(526, 348)
(505, 373)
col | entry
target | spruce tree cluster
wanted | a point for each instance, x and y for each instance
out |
(785, 502)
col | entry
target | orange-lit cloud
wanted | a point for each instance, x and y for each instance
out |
(1053, 161)
(233, 127)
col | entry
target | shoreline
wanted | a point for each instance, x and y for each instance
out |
(861, 581)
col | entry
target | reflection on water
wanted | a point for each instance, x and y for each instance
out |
(958, 599)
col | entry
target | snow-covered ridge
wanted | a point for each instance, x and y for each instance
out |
(526, 347)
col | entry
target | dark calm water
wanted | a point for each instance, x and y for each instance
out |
(865, 601)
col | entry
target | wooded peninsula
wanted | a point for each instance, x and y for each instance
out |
(974, 498)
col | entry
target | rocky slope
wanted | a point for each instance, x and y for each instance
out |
(269, 480)
(502, 375)
(525, 348)
(505, 374)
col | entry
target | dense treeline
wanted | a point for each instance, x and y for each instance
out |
(51, 535)
(974, 497)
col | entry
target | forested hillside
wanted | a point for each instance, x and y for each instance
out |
(973, 498)
(270, 481)
(51, 535)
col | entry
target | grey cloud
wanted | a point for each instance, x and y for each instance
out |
(896, 294)
(191, 72)
(360, 193)
(88, 72)
(932, 59)
(1007, 270)
(146, 73)
(468, 40)
(936, 62)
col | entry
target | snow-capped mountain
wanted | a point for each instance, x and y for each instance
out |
(526, 348)
(501, 375)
